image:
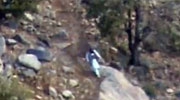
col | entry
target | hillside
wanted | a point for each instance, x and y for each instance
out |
(59, 35)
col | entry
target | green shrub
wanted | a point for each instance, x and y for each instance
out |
(17, 7)
(150, 90)
(11, 89)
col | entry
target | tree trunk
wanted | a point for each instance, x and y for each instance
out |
(129, 32)
(134, 41)
(135, 52)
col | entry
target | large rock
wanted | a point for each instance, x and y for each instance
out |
(115, 86)
(41, 53)
(30, 61)
(1, 66)
(2, 45)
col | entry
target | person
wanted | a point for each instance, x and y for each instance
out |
(93, 58)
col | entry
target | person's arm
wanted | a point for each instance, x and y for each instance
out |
(97, 54)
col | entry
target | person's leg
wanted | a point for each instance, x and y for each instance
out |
(96, 67)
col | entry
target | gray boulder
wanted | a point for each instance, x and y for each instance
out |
(30, 61)
(41, 53)
(115, 86)
(2, 45)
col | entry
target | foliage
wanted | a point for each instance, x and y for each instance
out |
(17, 7)
(12, 89)
(159, 19)
(150, 90)
(110, 14)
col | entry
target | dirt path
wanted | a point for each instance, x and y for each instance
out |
(88, 83)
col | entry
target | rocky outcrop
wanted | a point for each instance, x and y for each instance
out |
(115, 86)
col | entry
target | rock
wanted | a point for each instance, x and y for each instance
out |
(169, 90)
(21, 39)
(42, 54)
(30, 61)
(38, 97)
(50, 72)
(23, 22)
(29, 73)
(53, 92)
(13, 98)
(29, 16)
(12, 24)
(67, 94)
(52, 14)
(49, 7)
(59, 24)
(115, 86)
(1, 66)
(2, 45)
(11, 41)
(177, 94)
(73, 83)
(113, 50)
(8, 70)
(62, 35)
(63, 45)
(44, 40)
(67, 69)
(30, 29)
(116, 65)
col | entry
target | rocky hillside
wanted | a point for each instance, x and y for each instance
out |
(44, 53)
(37, 50)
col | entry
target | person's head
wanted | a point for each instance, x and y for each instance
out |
(91, 50)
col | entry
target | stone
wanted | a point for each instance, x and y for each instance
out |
(8, 70)
(38, 97)
(115, 86)
(29, 16)
(42, 54)
(67, 94)
(2, 45)
(73, 82)
(1, 66)
(49, 7)
(169, 90)
(62, 35)
(23, 22)
(21, 39)
(63, 45)
(11, 41)
(13, 25)
(53, 92)
(67, 69)
(29, 73)
(52, 14)
(177, 94)
(30, 29)
(30, 61)
(59, 24)
(114, 50)
(44, 40)
(13, 98)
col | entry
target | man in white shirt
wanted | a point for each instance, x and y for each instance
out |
(93, 58)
